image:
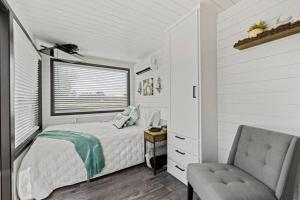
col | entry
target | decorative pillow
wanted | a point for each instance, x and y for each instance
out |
(126, 124)
(134, 116)
(120, 122)
(117, 117)
(126, 111)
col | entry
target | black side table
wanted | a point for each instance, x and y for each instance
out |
(153, 137)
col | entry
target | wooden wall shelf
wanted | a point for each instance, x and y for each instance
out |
(270, 35)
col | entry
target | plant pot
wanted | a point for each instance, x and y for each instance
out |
(255, 32)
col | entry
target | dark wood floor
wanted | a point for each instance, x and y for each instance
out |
(130, 184)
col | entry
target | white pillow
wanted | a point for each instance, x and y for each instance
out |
(120, 121)
(144, 115)
(117, 117)
(154, 119)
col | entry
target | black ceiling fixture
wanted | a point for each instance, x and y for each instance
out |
(68, 48)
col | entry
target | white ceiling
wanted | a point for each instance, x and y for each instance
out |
(117, 29)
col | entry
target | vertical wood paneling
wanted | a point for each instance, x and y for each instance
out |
(258, 86)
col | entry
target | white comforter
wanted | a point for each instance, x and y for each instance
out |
(51, 163)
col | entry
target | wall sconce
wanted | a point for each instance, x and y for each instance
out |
(159, 85)
(140, 88)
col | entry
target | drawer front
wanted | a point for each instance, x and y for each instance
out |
(186, 144)
(177, 171)
(180, 156)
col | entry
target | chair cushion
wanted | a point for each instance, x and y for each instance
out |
(212, 181)
(261, 153)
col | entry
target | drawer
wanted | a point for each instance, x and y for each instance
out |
(184, 143)
(177, 171)
(180, 156)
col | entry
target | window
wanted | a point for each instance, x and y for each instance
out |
(81, 88)
(26, 87)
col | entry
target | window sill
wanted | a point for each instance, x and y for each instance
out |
(22, 147)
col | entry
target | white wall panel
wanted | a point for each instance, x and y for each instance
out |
(237, 9)
(259, 86)
(260, 52)
(273, 61)
(158, 100)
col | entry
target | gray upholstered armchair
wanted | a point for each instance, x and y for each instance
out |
(261, 166)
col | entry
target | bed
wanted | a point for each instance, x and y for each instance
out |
(52, 163)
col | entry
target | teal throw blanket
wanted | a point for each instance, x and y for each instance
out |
(87, 146)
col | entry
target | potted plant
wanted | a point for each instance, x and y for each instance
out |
(256, 29)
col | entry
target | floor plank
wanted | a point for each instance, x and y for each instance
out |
(135, 183)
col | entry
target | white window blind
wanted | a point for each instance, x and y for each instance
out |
(26, 86)
(84, 88)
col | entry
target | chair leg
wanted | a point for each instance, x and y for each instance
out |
(190, 192)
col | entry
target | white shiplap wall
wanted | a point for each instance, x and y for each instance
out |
(158, 100)
(259, 86)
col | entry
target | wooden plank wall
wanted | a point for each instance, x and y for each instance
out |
(259, 86)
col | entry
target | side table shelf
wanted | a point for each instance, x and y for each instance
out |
(153, 137)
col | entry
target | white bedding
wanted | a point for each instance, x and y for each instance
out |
(52, 163)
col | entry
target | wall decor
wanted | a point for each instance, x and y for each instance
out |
(283, 19)
(140, 88)
(290, 16)
(154, 62)
(279, 32)
(159, 85)
(256, 29)
(148, 87)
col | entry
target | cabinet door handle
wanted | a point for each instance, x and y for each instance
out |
(179, 168)
(182, 153)
(181, 138)
(194, 92)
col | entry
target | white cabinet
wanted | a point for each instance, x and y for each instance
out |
(192, 135)
(184, 77)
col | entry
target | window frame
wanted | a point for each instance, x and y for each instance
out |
(18, 150)
(26, 143)
(52, 88)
